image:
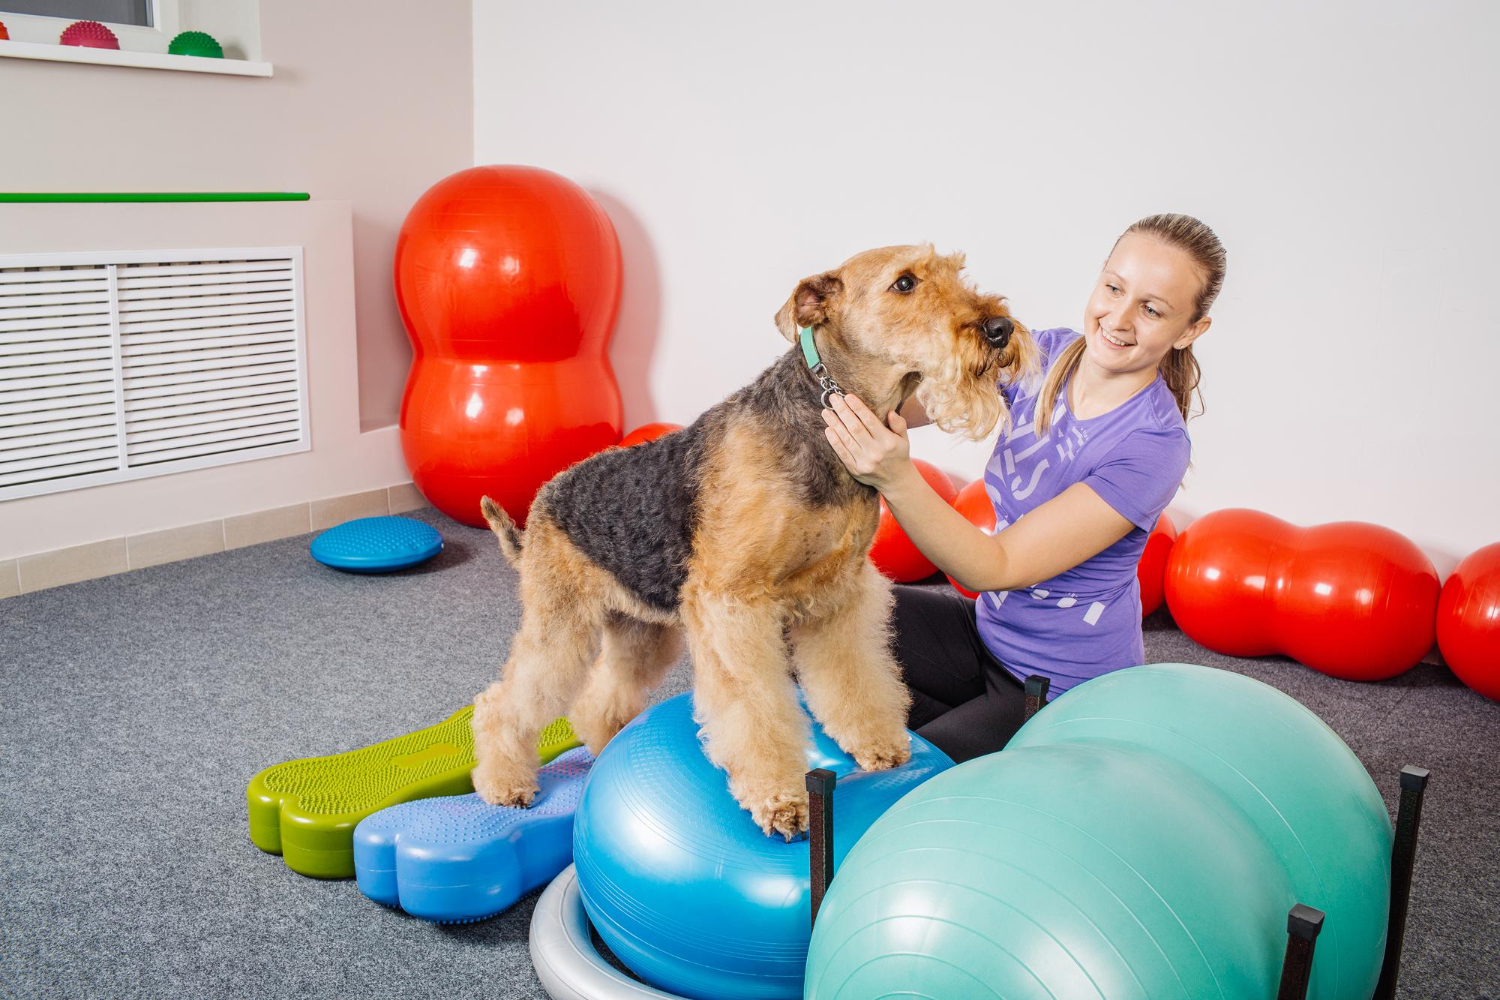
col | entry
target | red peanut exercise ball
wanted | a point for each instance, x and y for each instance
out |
(508, 281)
(648, 432)
(1468, 621)
(975, 505)
(1151, 571)
(1349, 599)
(892, 552)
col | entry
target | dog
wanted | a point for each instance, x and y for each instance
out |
(745, 534)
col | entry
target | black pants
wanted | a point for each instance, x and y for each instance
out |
(963, 700)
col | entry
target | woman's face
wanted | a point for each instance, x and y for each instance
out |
(1142, 305)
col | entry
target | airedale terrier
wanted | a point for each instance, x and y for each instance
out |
(746, 532)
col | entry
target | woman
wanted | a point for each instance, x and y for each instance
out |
(1095, 449)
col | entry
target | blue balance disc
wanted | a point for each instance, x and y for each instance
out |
(377, 544)
(457, 858)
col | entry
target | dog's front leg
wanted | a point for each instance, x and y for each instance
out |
(852, 682)
(744, 699)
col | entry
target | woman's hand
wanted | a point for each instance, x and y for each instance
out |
(873, 453)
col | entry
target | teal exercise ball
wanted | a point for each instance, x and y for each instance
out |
(1143, 836)
(1276, 761)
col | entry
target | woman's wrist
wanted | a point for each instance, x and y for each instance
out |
(903, 480)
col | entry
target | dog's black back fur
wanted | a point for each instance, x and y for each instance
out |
(634, 511)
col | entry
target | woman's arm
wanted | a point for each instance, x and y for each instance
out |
(1073, 526)
(1058, 535)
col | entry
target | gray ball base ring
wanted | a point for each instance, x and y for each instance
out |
(566, 961)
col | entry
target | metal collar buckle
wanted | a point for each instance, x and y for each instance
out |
(818, 369)
(830, 387)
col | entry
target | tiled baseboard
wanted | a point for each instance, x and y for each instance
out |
(26, 574)
(120, 555)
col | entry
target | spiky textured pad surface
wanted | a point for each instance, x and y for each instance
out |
(306, 810)
(377, 544)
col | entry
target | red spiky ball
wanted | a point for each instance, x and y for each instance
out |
(4, 35)
(90, 35)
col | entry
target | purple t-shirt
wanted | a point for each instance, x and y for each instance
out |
(1085, 621)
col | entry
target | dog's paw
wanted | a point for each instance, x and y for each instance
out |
(784, 813)
(501, 786)
(884, 755)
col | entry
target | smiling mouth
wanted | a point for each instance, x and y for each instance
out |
(1113, 340)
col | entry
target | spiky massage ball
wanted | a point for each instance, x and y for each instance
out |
(89, 35)
(196, 43)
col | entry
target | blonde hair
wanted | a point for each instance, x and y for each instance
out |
(1179, 369)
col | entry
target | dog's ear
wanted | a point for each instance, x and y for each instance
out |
(809, 304)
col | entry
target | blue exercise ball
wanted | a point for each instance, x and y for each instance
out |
(1143, 836)
(678, 880)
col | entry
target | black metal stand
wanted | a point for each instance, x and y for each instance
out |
(820, 782)
(1302, 926)
(1403, 859)
(1304, 922)
(1036, 694)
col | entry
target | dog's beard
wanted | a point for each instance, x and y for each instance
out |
(960, 393)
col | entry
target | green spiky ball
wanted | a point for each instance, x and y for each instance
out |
(196, 43)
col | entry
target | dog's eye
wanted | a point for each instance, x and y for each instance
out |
(904, 284)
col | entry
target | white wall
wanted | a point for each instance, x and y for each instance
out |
(1345, 152)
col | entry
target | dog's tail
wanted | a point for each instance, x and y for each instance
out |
(504, 528)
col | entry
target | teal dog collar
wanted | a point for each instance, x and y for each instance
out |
(816, 366)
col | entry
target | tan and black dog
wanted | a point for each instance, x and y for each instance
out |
(746, 533)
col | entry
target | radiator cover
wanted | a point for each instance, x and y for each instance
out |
(119, 365)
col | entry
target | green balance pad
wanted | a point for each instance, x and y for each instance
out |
(306, 810)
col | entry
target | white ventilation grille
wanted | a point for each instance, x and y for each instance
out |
(58, 411)
(116, 366)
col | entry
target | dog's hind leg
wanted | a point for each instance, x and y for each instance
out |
(560, 621)
(632, 659)
(850, 678)
(744, 699)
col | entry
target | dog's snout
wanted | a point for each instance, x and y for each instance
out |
(997, 331)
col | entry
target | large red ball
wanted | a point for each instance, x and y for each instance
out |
(1349, 599)
(975, 505)
(648, 432)
(892, 552)
(1468, 621)
(1151, 570)
(508, 281)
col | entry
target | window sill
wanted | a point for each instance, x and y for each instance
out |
(142, 60)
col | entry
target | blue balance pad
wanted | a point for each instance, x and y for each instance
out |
(458, 858)
(377, 544)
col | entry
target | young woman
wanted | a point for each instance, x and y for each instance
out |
(1095, 449)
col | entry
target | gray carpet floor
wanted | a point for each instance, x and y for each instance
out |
(135, 709)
